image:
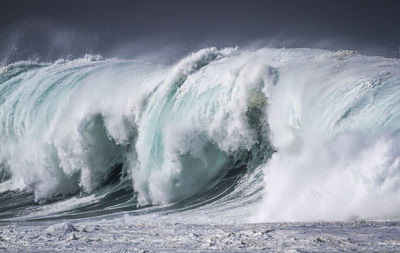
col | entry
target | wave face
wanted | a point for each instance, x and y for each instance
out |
(298, 134)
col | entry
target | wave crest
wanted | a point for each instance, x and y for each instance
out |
(201, 132)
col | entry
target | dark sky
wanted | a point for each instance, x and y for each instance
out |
(51, 29)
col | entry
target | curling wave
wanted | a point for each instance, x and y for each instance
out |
(301, 134)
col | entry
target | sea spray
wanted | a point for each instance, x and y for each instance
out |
(291, 133)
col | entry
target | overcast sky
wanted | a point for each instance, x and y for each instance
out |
(52, 29)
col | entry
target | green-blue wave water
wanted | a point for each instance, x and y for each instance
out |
(221, 135)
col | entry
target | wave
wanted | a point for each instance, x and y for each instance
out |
(299, 134)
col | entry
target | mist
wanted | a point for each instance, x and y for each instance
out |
(48, 30)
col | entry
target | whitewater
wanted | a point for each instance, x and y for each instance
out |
(221, 135)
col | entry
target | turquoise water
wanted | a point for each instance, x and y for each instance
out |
(220, 134)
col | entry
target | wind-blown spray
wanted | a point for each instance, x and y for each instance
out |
(303, 134)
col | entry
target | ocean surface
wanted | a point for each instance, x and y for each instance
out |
(219, 136)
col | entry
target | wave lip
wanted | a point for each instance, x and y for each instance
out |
(220, 132)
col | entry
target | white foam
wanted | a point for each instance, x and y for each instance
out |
(337, 151)
(340, 179)
(176, 128)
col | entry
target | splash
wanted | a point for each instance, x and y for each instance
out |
(299, 134)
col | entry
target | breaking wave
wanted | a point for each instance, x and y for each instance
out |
(298, 134)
